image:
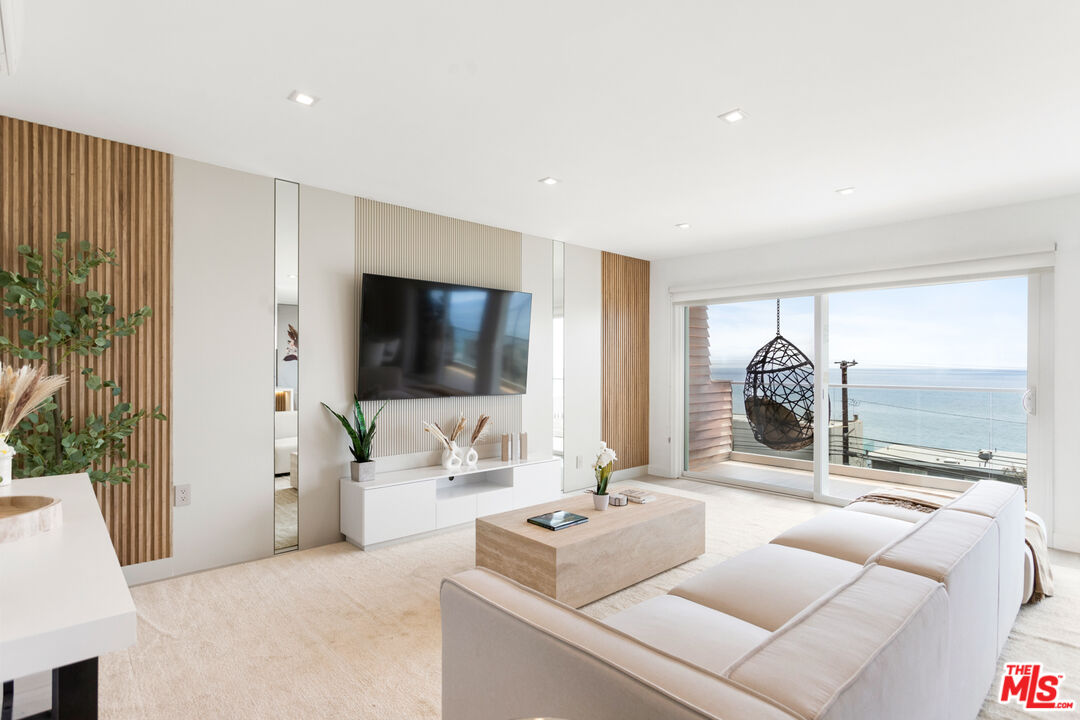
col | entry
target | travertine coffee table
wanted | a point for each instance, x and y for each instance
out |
(616, 548)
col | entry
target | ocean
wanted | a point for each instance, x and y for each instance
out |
(943, 419)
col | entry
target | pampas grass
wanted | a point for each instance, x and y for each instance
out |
(458, 429)
(437, 431)
(478, 431)
(23, 391)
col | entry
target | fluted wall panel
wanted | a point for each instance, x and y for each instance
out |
(118, 197)
(394, 240)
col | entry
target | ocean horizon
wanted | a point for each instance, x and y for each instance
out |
(958, 420)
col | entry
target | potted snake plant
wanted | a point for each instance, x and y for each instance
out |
(361, 433)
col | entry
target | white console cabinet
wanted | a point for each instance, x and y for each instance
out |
(408, 502)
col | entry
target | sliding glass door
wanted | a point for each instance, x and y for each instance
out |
(926, 386)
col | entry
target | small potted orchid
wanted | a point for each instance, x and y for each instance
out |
(603, 467)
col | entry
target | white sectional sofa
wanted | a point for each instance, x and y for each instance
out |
(871, 611)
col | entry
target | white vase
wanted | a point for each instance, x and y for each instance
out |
(7, 454)
(600, 501)
(471, 457)
(451, 457)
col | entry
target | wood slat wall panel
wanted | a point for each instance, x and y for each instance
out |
(119, 197)
(625, 413)
(709, 401)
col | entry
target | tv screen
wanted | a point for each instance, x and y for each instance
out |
(421, 339)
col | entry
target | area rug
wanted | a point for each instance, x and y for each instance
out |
(336, 632)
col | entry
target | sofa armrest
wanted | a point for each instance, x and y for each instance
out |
(510, 652)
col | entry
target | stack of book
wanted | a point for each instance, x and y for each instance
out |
(638, 496)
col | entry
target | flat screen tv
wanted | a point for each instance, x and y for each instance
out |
(421, 339)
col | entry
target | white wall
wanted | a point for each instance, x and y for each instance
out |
(536, 406)
(1013, 229)
(328, 328)
(583, 335)
(223, 366)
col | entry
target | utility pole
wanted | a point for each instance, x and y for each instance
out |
(844, 365)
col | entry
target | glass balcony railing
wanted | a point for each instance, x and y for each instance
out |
(961, 433)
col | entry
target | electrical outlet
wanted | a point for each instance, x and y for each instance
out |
(181, 495)
(580, 462)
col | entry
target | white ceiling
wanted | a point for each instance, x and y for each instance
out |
(459, 107)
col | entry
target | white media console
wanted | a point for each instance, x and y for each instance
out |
(408, 502)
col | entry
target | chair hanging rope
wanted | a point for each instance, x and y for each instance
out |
(779, 394)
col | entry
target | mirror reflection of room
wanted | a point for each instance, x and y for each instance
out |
(286, 364)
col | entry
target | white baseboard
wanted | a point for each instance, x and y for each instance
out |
(148, 572)
(1066, 541)
(659, 471)
(629, 473)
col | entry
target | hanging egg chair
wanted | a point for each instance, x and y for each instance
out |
(779, 394)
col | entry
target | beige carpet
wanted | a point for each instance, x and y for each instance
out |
(336, 632)
(285, 518)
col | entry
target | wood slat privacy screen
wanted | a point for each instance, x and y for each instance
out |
(118, 197)
(625, 415)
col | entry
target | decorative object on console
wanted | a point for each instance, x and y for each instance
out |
(523, 447)
(605, 463)
(471, 455)
(451, 457)
(362, 468)
(505, 448)
(22, 392)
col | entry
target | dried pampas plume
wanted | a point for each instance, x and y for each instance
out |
(458, 429)
(481, 427)
(23, 391)
(435, 430)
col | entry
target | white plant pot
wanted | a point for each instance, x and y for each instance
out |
(600, 501)
(362, 471)
(7, 454)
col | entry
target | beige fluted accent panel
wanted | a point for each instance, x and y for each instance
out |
(394, 240)
(119, 197)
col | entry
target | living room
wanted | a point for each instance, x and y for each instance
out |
(651, 360)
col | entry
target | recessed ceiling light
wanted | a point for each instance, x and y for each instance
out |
(845, 191)
(292, 277)
(549, 180)
(733, 116)
(683, 226)
(303, 98)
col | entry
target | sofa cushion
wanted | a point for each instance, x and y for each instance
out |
(960, 549)
(694, 633)
(874, 649)
(987, 497)
(852, 536)
(769, 585)
(890, 511)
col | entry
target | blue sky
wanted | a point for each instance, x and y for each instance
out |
(980, 324)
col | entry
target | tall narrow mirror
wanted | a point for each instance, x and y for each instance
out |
(286, 363)
(557, 283)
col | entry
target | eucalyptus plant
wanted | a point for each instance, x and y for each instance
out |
(58, 320)
(361, 434)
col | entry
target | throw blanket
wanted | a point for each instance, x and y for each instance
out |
(928, 501)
